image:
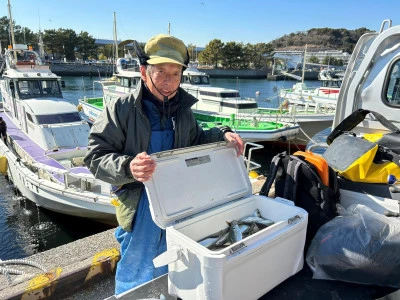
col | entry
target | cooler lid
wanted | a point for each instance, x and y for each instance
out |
(194, 179)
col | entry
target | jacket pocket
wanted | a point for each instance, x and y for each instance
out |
(127, 203)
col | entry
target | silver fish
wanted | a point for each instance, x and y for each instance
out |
(257, 213)
(210, 240)
(222, 240)
(235, 234)
(259, 221)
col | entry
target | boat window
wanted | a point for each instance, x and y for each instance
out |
(185, 79)
(331, 83)
(51, 87)
(38, 88)
(28, 89)
(196, 79)
(221, 95)
(230, 95)
(58, 118)
(393, 90)
(205, 80)
(125, 82)
(135, 81)
(29, 117)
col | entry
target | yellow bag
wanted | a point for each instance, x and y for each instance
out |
(371, 158)
(355, 158)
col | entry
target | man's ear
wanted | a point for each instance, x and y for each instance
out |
(143, 73)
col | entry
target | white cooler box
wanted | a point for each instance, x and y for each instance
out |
(193, 193)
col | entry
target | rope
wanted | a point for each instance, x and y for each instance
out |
(23, 262)
(6, 271)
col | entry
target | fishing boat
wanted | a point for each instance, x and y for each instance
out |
(223, 106)
(312, 108)
(47, 140)
(124, 81)
(325, 96)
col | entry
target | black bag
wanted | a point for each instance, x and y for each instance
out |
(298, 180)
(360, 246)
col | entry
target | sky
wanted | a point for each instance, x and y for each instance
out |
(198, 22)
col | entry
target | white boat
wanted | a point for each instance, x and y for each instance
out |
(225, 106)
(47, 141)
(324, 96)
(124, 81)
(312, 108)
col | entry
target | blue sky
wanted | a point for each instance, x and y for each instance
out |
(199, 22)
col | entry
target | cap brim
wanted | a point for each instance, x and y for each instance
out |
(164, 60)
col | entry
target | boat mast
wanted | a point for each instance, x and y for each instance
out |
(41, 48)
(304, 64)
(115, 42)
(12, 29)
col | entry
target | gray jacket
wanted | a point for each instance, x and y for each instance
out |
(122, 131)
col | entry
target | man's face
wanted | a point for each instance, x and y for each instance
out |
(163, 79)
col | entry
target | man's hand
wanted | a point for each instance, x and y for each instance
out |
(236, 139)
(142, 167)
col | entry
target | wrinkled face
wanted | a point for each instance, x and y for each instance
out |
(162, 80)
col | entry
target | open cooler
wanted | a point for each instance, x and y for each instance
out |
(193, 193)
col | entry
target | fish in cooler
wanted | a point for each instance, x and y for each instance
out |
(236, 231)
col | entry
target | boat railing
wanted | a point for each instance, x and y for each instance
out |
(251, 165)
(80, 181)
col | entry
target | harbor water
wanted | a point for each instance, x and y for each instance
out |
(26, 229)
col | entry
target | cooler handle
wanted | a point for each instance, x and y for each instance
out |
(167, 257)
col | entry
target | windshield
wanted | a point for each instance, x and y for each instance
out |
(58, 118)
(38, 88)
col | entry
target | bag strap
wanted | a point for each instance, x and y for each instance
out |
(356, 118)
(275, 163)
(290, 180)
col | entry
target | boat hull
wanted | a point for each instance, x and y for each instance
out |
(90, 111)
(54, 196)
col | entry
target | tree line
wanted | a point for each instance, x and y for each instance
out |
(67, 44)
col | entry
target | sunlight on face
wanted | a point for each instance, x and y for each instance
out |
(163, 79)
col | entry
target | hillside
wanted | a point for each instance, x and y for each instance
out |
(320, 39)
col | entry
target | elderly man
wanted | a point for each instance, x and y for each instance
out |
(156, 117)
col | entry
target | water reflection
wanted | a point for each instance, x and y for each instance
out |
(26, 229)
